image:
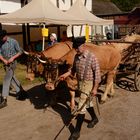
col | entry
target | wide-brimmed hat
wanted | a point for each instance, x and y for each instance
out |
(78, 41)
(3, 33)
(54, 35)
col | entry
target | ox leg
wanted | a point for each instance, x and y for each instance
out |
(109, 86)
(72, 101)
(112, 91)
(30, 74)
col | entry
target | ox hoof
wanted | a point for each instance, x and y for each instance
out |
(102, 102)
(110, 96)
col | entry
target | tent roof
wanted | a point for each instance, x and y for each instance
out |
(36, 11)
(80, 11)
(43, 11)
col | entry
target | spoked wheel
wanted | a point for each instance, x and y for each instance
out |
(137, 77)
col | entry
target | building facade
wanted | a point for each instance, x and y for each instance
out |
(124, 22)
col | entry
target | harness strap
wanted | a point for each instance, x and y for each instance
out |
(68, 45)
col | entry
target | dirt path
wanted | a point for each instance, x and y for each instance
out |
(26, 120)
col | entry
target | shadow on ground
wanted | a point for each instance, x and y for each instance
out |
(57, 100)
(41, 98)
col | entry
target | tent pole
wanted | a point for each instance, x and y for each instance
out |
(112, 31)
(28, 33)
(102, 31)
(95, 30)
(87, 33)
(0, 26)
(58, 33)
(24, 35)
(43, 43)
(92, 32)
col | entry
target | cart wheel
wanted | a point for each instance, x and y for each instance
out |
(137, 77)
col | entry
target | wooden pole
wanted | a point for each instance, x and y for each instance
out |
(115, 41)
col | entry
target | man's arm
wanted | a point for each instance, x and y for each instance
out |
(65, 75)
(14, 57)
(71, 71)
(18, 50)
(97, 77)
(3, 60)
(95, 88)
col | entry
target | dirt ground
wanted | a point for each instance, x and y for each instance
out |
(119, 117)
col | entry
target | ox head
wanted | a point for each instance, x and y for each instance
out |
(34, 66)
(52, 69)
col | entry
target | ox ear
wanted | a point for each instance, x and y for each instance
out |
(38, 55)
(61, 62)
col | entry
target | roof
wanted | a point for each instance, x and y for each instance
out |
(101, 7)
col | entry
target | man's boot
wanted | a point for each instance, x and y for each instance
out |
(3, 102)
(76, 134)
(94, 119)
(22, 95)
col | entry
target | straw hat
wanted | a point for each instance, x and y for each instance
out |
(78, 41)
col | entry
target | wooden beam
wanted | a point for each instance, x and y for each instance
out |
(24, 35)
(85, 2)
(57, 3)
(71, 2)
(116, 41)
(28, 34)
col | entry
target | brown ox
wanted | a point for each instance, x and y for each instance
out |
(109, 57)
(57, 50)
(54, 52)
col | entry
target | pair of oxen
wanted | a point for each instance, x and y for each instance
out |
(57, 59)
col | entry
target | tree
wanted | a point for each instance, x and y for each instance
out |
(126, 5)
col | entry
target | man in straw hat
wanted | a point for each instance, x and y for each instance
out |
(87, 70)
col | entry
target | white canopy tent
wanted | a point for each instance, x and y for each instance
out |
(43, 11)
(79, 10)
(37, 11)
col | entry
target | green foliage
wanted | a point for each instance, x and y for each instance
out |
(126, 5)
(20, 74)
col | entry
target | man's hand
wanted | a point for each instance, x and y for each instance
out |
(95, 88)
(94, 92)
(5, 62)
(11, 60)
(64, 76)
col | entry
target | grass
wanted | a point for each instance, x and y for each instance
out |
(20, 73)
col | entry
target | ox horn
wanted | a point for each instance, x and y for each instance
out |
(27, 53)
(42, 61)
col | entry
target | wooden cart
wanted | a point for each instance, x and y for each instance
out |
(130, 63)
